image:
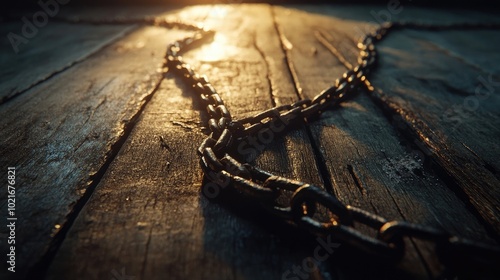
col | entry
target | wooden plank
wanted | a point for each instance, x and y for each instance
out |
(149, 217)
(63, 133)
(111, 12)
(469, 103)
(457, 127)
(463, 49)
(399, 11)
(369, 165)
(53, 49)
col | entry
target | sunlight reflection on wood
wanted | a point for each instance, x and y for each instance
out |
(219, 11)
(113, 133)
(218, 50)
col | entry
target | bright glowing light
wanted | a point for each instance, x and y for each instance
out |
(219, 11)
(219, 49)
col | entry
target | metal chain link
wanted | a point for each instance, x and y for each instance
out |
(221, 167)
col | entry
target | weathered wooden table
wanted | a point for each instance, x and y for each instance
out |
(104, 145)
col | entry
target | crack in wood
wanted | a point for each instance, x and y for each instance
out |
(416, 131)
(146, 252)
(486, 165)
(274, 98)
(184, 125)
(286, 46)
(164, 144)
(49, 76)
(320, 35)
(356, 179)
(318, 155)
(103, 100)
(40, 268)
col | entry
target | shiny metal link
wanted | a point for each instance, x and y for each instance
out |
(209, 89)
(218, 178)
(365, 217)
(309, 194)
(212, 160)
(320, 98)
(209, 142)
(224, 141)
(353, 237)
(283, 108)
(251, 189)
(215, 98)
(290, 115)
(237, 128)
(253, 129)
(223, 122)
(281, 185)
(224, 112)
(213, 125)
(234, 167)
(277, 182)
(266, 114)
(312, 110)
(211, 111)
(369, 245)
(258, 175)
(302, 103)
(396, 230)
(198, 88)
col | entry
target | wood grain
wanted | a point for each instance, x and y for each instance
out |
(455, 114)
(60, 133)
(110, 184)
(432, 109)
(53, 49)
(165, 225)
(369, 164)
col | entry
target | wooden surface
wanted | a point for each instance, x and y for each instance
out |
(105, 146)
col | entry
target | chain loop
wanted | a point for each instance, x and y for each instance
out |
(224, 170)
(311, 194)
(396, 230)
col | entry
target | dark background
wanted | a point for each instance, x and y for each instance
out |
(476, 4)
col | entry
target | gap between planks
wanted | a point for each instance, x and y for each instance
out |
(128, 30)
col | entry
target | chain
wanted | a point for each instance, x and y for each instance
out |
(225, 171)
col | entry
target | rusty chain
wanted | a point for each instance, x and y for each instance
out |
(224, 170)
